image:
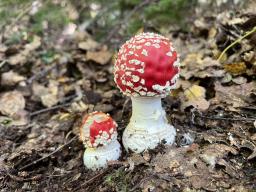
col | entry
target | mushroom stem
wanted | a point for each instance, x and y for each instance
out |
(148, 125)
(95, 158)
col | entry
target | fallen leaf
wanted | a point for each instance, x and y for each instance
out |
(249, 145)
(23, 55)
(11, 78)
(89, 44)
(11, 103)
(195, 65)
(20, 58)
(48, 95)
(239, 80)
(180, 161)
(236, 95)
(101, 57)
(235, 68)
(212, 153)
(195, 92)
(195, 96)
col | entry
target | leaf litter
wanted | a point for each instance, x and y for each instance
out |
(213, 110)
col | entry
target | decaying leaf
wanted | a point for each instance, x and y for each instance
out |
(11, 78)
(89, 44)
(236, 95)
(195, 96)
(100, 57)
(195, 65)
(48, 95)
(212, 153)
(11, 103)
(21, 118)
(235, 68)
(249, 145)
(22, 56)
(184, 162)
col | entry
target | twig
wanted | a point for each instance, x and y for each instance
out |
(90, 180)
(49, 109)
(226, 118)
(50, 154)
(237, 41)
(248, 108)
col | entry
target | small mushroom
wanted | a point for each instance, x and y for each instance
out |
(99, 135)
(146, 69)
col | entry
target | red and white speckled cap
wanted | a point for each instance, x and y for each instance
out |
(146, 65)
(97, 129)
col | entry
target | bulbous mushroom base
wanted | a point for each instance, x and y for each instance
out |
(95, 158)
(139, 140)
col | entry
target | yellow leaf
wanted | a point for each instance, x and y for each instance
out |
(195, 92)
(235, 68)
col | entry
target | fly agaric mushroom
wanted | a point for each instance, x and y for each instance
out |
(146, 69)
(99, 135)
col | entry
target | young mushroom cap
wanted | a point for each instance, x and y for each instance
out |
(99, 135)
(146, 65)
(98, 129)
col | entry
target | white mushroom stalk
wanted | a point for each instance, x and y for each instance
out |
(146, 69)
(99, 135)
(95, 158)
(148, 125)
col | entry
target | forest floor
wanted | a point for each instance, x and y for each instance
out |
(48, 82)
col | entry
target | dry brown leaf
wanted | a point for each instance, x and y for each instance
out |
(11, 78)
(21, 118)
(89, 44)
(195, 96)
(48, 95)
(249, 145)
(235, 68)
(101, 57)
(183, 161)
(11, 103)
(195, 65)
(212, 153)
(236, 95)
(20, 58)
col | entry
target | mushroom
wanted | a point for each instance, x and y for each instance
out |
(99, 135)
(146, 69)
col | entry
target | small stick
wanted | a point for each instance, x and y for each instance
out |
(49, 109)
(50, 154)
(90, 180)
(228, 119)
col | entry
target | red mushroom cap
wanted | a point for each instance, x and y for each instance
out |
(98, 129)
(146, 65)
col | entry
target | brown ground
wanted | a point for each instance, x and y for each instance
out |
(214, 111)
